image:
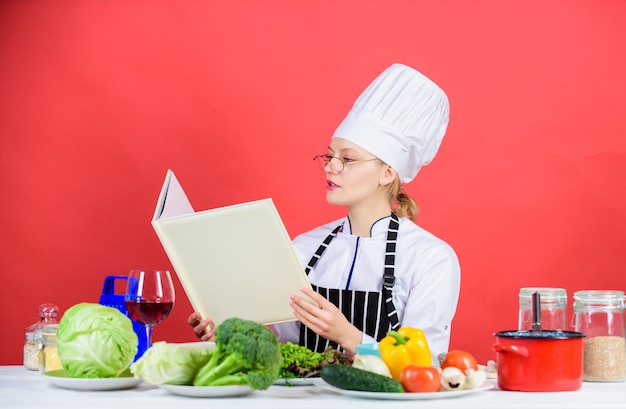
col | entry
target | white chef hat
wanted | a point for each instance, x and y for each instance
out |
(401, 118)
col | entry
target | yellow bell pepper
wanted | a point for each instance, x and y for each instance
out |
(403, 347)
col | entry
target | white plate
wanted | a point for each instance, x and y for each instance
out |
(296, 381)
(62, 379)
(402, 396)
(207, 391)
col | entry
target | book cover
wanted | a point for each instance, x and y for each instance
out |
(233, 261)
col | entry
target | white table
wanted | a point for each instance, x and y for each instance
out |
(20, 388)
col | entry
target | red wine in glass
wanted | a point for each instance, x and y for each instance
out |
(148, 312)
(149, 298)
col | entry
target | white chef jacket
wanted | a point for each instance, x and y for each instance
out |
(427, 275)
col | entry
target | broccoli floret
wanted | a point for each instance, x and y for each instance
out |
(245, 352)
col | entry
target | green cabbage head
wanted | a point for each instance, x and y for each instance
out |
(175, 364)
(95, 341)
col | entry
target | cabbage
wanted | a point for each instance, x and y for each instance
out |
(174, 364)
(95, 341)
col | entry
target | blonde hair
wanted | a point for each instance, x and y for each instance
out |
(401, 203)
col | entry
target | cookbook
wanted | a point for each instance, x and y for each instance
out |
(232, 261)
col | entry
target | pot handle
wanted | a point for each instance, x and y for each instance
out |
(515, 349)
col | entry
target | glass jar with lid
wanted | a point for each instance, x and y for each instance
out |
(553, 308)
(48, 355)
(32, 335)
(599, 315)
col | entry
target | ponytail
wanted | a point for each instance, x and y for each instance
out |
(401, 203)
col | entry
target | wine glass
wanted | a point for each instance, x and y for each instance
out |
(149, 298)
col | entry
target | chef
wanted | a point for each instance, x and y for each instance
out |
(375, 269)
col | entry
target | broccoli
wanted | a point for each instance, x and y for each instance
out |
(245, 352)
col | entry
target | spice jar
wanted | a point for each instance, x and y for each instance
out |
(553, 308)
(32, 335)
(48, 355)
(600, 315)
(30, 353)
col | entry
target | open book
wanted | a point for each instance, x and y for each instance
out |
(233, 261)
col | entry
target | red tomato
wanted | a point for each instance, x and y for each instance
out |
(459, 359)
(420, 378)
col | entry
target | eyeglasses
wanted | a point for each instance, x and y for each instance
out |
(337, 164)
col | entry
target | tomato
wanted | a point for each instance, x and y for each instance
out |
(459, 359)
(420, 378)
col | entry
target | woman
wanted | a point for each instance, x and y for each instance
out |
(375, 269)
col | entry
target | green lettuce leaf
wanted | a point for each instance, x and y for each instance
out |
(175, 364)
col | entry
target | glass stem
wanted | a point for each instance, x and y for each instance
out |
(148, 336)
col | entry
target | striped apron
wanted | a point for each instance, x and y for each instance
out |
(371, 312)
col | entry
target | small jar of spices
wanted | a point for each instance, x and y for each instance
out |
(49, 355)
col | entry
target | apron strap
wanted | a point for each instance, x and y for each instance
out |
(322, 248)
(389, 278)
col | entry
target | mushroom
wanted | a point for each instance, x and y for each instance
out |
(475, 379)
(452, 379)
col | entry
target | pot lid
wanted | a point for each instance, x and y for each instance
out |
(543, 334)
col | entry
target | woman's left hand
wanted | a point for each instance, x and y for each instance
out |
(204, 329)
(326, 320)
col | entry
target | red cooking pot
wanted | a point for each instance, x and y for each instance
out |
(539, 361)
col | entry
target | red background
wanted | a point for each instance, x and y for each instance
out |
(99, 98)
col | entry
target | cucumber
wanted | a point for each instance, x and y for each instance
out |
(347, 377)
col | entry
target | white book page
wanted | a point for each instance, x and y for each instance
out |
(172, 200)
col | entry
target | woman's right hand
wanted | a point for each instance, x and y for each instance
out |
(204, 329)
